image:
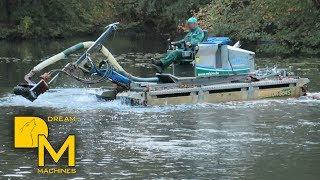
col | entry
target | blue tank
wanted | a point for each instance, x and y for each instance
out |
(218, 40)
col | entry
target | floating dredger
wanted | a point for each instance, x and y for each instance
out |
(214, 71)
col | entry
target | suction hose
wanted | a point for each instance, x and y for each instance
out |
(61, 56)
(114, 63)
(84, 45)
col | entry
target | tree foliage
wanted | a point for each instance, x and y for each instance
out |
(58, 18)
(293, 25)
(53, 18)
(157, 15)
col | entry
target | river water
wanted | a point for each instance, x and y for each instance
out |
(265, 139)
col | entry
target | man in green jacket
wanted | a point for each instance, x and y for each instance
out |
(194, 36)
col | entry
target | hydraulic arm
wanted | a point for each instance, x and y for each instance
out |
(108, 69)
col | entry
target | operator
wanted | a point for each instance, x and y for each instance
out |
(194, 36)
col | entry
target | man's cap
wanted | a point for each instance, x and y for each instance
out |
(192, 20)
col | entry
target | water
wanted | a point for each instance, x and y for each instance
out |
(265, 139)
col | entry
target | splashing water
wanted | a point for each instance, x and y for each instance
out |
(85, 99)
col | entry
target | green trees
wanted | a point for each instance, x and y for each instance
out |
(52, 18)
(157, 15)
(279, 26)
(285, 27)
(59, 18)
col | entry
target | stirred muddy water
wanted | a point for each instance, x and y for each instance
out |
(265, 139)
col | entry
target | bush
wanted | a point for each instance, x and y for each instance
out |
(54, 18)
(290, 27)
(156, 15)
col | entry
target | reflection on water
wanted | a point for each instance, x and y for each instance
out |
(28, 50)
(265, 139)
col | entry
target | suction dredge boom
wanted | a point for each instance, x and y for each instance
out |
(165, 89)
(107, 70)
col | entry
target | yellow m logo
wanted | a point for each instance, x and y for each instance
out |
(69, 144)
(32, 132)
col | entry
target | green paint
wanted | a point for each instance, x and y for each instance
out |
(286, 92)
(73, 49)
(219, 72)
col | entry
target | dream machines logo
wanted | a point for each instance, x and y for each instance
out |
(32, 132)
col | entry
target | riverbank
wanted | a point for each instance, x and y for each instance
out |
(31, 19)
(274, 28)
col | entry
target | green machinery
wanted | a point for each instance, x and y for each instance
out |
(214, 71)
